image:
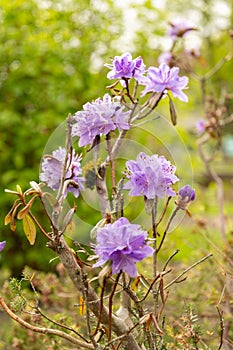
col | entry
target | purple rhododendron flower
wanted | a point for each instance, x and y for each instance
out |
(186, 195)
(2, 245)
(150, 176)
(125, 66)
(99, 117)
(124, 244)
(200, 126)
(165, 78)
(52, 167)
(179, 27)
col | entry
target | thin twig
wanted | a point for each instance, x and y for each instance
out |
(152, 284)
(218, 66)
(135, 299)
(122, 337)
(71, 329)
(154, 234)
(170, 258)
(176, 280)
(110, 306)
(167, 227)
(163, 212)
(221, 320)
(149, 105)
(44, 330)
(86, 297)
(101, 306)
(112, 164)
(39, 226)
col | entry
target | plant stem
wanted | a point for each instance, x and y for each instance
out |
(80, 344)
(112, 164)
(167, 227)
(154, 234)
(110, 306)
(176, 280)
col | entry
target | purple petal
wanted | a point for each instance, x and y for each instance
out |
(2, 245)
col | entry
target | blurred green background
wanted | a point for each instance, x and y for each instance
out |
(51, 63)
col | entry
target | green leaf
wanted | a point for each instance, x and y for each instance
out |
(29, 229)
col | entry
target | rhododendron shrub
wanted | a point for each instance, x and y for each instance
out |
(119, 282)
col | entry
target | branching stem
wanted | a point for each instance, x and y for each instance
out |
(44, 330)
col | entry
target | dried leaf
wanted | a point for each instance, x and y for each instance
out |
(7, 219)
(161, 290)
(147, 319)
(26, 209)
(156, 324)
(82, 306)
(104, 273)
(13, 224)
(23, 212)
(144, 318)
(135, 283)
(10, 217)
(29, 229)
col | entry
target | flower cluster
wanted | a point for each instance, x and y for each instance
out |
(159, 79)
(124, 244)
(52, 168)
(179, 27)
(125, 67)
(164, 78)
(2, 245)
(99, 117)
(150, 176)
